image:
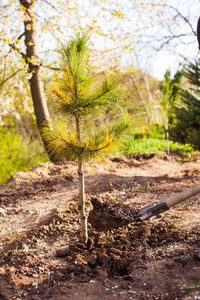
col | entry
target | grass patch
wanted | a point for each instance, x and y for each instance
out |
(148, 145)
(17, 154)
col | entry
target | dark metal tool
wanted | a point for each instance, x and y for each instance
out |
(156, 209)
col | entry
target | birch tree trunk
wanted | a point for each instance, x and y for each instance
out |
(154, 117)
(167, 135)
(150, 99)
(31, 58)
(141, 97)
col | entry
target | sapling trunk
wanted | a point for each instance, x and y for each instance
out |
(84, 230)
(166, 127)
(167, 136)
(76, 96)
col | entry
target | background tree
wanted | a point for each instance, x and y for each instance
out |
(170, 89)
(172, 31)
(115, 28)
(33, 63)
(78, 95)
(187, 114)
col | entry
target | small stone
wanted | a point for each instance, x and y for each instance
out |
(35, 284)
(131, 292)
(62, 252)
(102, 259)
(115, 287)
(92, 281)
(11, 211)
(125, 285)
(90, 243)
(92, 260)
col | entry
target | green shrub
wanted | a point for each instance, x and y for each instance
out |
(186, 127)
(151, 131)
(17, 154)
(154, 145)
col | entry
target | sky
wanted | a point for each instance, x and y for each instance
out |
(133, 35)
(172, 58)
(139, 27)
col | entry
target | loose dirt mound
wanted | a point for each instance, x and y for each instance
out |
(42, 258)
(107, 215)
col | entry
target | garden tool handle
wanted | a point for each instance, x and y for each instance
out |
(155, 209)
(183, 195)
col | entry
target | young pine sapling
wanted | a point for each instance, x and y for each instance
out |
(78, 95)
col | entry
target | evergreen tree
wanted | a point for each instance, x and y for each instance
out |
(170, 89)
(187, 114)
(77, 95)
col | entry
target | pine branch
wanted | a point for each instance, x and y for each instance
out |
(86, 149)
(76, 94)
(72, 74)
(97, 97)
(99, 149)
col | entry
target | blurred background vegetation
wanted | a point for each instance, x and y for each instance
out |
(166, 111)
(21, 147)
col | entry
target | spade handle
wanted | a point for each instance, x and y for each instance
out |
(155, 209)
(173, 200)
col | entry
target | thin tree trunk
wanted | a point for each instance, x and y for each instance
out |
(150, 98)
(84, 229)
(39, 104)
(167, 136)
(141, 97)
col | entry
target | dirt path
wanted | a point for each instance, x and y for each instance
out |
(35, 203)
(39, 215)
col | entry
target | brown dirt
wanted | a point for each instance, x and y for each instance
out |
(41, 256)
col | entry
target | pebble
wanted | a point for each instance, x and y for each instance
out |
(11, 211)
(35, 284)
(92, 260)
(124, 285)
(131, 292)
(62, 252)
(115, 287)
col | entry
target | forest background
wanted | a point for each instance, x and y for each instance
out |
(145, 43)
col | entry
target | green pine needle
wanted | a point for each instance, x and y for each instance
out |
(63, 142)
(77, 94)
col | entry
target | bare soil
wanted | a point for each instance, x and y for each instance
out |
(41, 256)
